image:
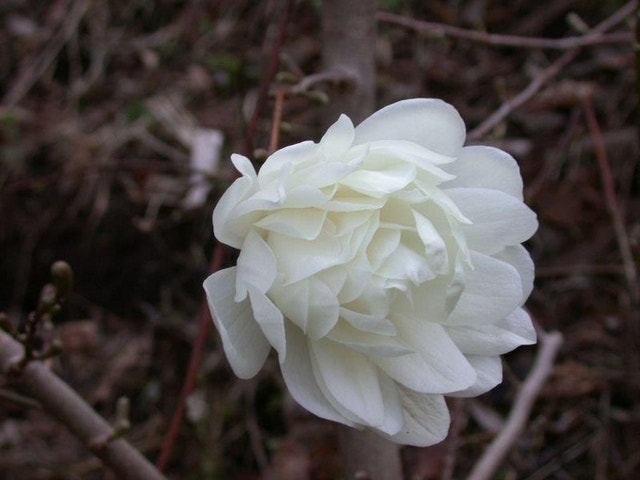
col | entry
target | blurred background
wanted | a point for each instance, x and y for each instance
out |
(117, 120)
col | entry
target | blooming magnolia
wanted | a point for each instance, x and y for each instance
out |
(384, 265)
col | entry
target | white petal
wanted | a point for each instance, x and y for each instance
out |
(368, 343)
(434, 246)
(393, 420)
(431, 123)
(489, 370)
(244, 166)
(498, 219)
(338, 138)
(377, 183)
(486, 167)
(287, 158)
(369, 311)
(299, 378)
(384, 243)
(518, 257)
(244, 343)
(406, 264)
(257, 266)
(351, 378)
(426, 419)
(224, 211)
(412, 152)
(436, 367)
(349, 202)
(310, 304)
(270, 320)
(304, 223)
(495, 339)
(492, 291)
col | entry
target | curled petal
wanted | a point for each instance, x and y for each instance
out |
(430, 123)
(356, 388)
(298, 375)
(491, 292)
(244, 344)
(489, 374)
(495, 339)
(497, 219)
(486, 167)
(426, 419)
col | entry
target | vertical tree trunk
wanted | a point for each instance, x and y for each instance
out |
(348, 45)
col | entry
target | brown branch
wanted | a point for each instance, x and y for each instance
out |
(219, 256)
(611, 199)
(263, 92)
(547, 74)
(63, 403)
(277, 120)
(496, 452)
(438, 30)
(197, 352)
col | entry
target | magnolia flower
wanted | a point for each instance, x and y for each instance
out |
(383, 264)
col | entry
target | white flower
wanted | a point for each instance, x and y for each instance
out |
(383, 265)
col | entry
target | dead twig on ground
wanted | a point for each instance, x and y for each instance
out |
(494, 455)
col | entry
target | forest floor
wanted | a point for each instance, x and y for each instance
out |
(100, 103)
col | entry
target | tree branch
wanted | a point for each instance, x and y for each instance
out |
(437, 30)
(65, 405)
(494, 455)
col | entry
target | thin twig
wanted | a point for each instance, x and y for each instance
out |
(42, 62)
(197, 352)
(277, 120)
(547, 74)
(64, 404)
(217, 262)
(263, 92)
(438, 30)
(611, 198)
(494, 455)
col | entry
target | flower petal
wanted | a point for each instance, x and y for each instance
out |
(305, 223)
(393, 419)
(356, 388)
(244, 343)
(257, 266)
(498, 219)
(270, 319)
(310, 304)
(489, 370)
(299, 378)
(287, 158)
(431, 123)
(491, 292)
(239, 190)
(377, 183)
(338, 139)
(495, 339)
(426, 419)
(436, 367)
(368, 343)
(486, 167)
(518, 257)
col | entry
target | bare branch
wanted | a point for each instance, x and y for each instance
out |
(540, 80)
(64, 404)
(438, 30)
(494, 455)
